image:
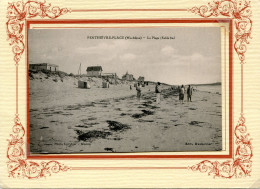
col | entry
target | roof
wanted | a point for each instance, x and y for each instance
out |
(43, 64)
(94, 68)
(127, 74)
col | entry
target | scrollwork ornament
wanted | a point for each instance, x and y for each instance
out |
(240, 165)
(17, 13)
(239, 11)
(19, 166)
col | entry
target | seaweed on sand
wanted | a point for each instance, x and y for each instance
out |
(137, 116)
(148, 105)
(123, 114)
(142, 120)
(44, 127)
(109, 149)
(145, 113)
(117, 126)
(196, 123)
(91, 135)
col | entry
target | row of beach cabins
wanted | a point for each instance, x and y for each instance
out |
(92, 71)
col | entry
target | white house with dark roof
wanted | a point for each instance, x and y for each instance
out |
(94, 71)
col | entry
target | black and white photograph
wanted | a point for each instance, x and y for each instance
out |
(125, 90)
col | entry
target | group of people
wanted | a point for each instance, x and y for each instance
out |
(181, 91)
(157, 91)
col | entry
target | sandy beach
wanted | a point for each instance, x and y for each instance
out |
(67, 119)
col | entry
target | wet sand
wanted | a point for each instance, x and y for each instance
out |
(66, 119)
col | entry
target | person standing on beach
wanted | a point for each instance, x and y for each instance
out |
(181, 94)
(189, 93)
(158, 92)
(138, 89)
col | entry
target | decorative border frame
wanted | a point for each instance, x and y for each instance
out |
(240, 13)
(17, 13)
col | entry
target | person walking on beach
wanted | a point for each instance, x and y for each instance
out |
(130, 87)
(158, 93)
(189, 93)
(138, 89)
(181, 94)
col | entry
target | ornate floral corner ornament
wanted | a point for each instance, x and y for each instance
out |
(17, 13)
(240, 12)
(240, 165)
(19, 166)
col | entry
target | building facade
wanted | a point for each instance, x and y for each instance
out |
(128, 77)
(94, 71)
(141, 79)
(110, 77)
(44, 66)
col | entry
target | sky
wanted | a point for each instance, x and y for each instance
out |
(184, 56)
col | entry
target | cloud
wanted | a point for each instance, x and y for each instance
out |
(127, 57)
(104, 47)
(197, 56)
(168, 50)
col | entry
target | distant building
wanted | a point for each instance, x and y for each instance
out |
(110, 77)
(94, 71)
(44, 66)
(141, 79)
(128, 77)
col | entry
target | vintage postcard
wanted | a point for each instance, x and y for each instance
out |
(124, 90)
(134, 95)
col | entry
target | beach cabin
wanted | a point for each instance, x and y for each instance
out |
(44, 66)
(94, 71)
(128, 77)
(105, 84)
(83, 85)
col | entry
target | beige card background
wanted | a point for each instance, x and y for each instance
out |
(141, 178)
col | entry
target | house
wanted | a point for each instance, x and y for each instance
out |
(128, 77)
(141, 79)
(44, 66)
(94, 71)
(110, 77)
